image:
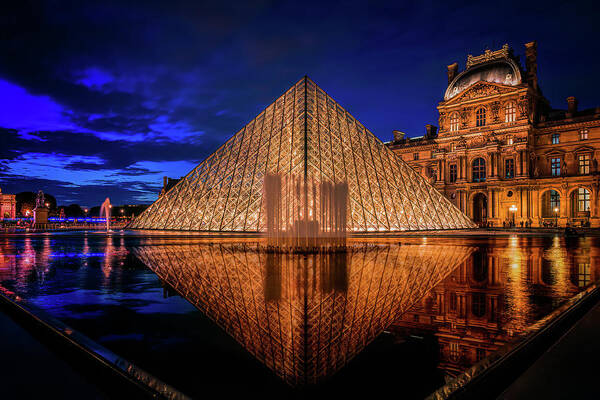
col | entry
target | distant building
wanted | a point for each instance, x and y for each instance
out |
(8, 205)
(502, 154)
(168, 183)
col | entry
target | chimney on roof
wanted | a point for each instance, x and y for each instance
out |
(431, 131)
(531, 64)
(571, 106)
(452, 71)
(398, 136)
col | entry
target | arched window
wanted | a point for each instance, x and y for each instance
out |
(583, 199)
(479, 170)
(510, 112)
(480, 117)
(550, 204)
(454, 122)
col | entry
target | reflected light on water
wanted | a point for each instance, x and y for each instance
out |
(303, 316)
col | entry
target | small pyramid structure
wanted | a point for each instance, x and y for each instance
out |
(303, 133)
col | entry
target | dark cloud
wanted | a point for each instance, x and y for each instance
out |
(121, 85)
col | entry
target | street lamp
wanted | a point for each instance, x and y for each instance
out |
(555, 216)
(513, 210)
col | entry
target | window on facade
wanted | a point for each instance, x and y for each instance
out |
(454, 351)
(480, 117)
(479, 170)
(480, 354)
(452, 301)
(584, 164)
(583, 199)
(555, 166)
(509, 141)
(478, 304)
(509, 168)
(555, 138)
(453, 173)
(583, 274)
(554, 200)
(454, 122)
(510, 112)
(415, 156)
(583, 134)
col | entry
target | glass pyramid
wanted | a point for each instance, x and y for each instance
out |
(303, 316)
(304, 133)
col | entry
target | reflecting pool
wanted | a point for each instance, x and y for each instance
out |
(226, 315)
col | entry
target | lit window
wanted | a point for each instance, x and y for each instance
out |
(454, 122)
(453, 173)
(510, 112)
(555, 138)
(583, 134)
(583, 199)
(509, 168)
(415, 156)
(584, 164)
(555, 166)
(480, 117)
(454, 351)
(584, 274)
(509, 141)
(554, 200)
(479, 170)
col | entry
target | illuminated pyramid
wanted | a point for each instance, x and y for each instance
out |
(306, 134)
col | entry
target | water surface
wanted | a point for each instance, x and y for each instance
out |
(207, 315)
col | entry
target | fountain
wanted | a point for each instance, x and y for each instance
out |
(304, 215)
(105, 209)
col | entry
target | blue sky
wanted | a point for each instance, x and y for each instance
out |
(103, 98)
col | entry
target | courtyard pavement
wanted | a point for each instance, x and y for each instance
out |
(30, 370)
(568, 369)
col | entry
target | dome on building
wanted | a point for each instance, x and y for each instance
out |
(504, 71)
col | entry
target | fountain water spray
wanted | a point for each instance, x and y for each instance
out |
(304, 214)
(105, 208)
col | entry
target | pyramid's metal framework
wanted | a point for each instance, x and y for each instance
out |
(304, 133)
(304, 317)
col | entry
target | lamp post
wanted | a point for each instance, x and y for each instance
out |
(555, 216)
(513, 210)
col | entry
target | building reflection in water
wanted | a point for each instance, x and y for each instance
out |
(497, 293)
(303, 316)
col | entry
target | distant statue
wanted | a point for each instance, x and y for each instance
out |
(564, 168)
(595, 166)
(40, 200)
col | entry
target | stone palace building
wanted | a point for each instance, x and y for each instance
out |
(502, 154)
(8, 205)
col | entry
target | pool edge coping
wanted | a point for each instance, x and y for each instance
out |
(535, 339)
(102, 356)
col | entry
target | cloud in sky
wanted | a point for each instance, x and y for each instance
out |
(107, 96)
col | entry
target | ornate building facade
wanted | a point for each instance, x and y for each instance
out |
(502, 154)
(8, 205)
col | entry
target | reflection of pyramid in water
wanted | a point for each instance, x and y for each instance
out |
(303, 317)
(303, 133)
